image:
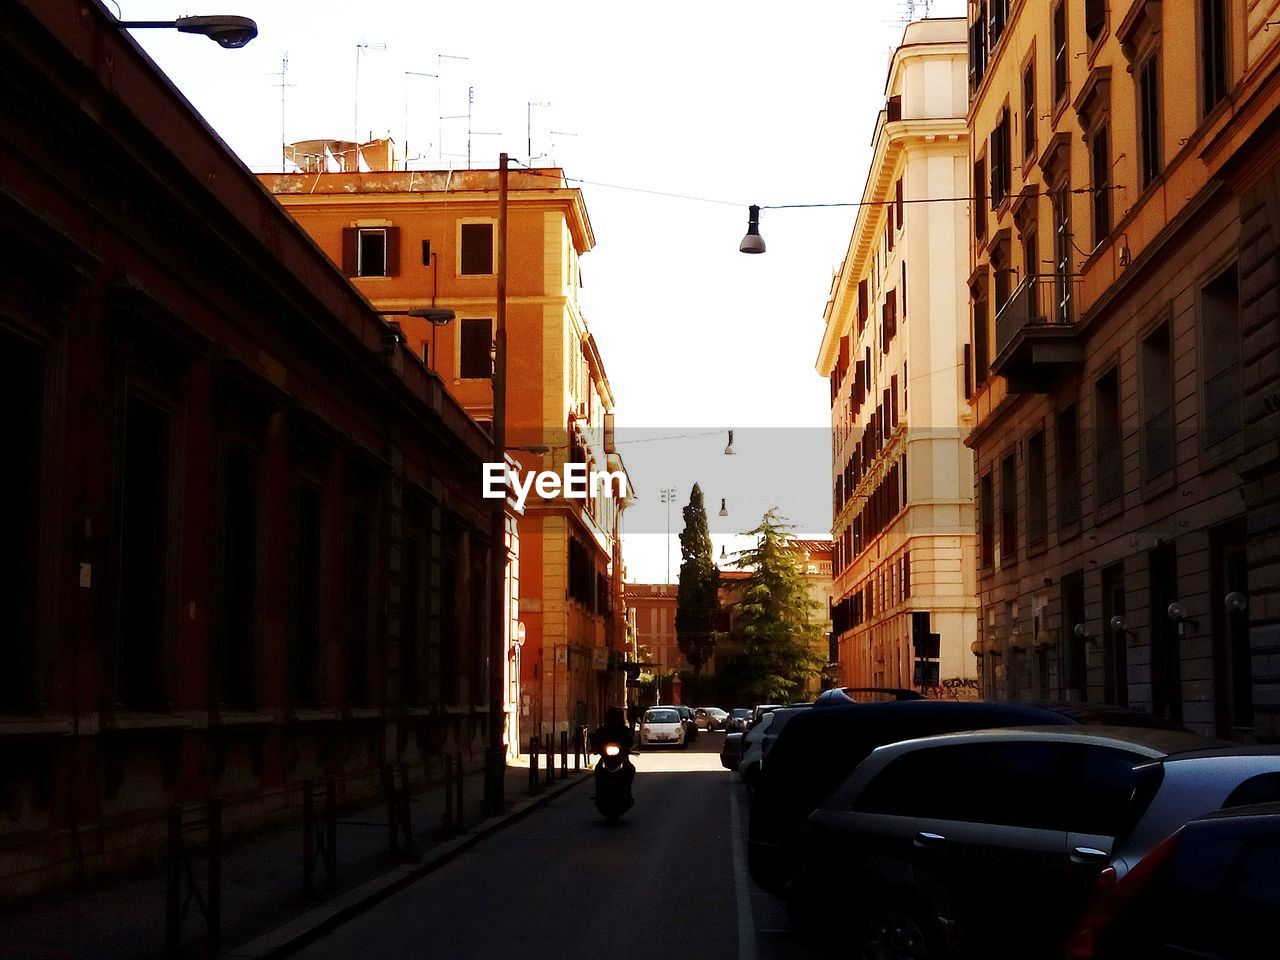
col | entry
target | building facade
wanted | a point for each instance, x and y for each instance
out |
(244, 544)
(1124, 169)
(894, 351)
(408, 239)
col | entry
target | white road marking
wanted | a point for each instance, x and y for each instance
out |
(746, 922)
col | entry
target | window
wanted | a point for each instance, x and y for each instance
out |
(239, 555)
(978, 46)
(1062, 253)
(21, 386)
(1115, 655)
(307, 595)
(1149, 140)
(1095, 19)
(1156, 373)
(372, 254)
(144, 537)
(1220, 333)
(1060, 55)
(997, 19)
(893, 398)
(1213, 53)
(426, 253)
(1031, 252)
(863, 308)
(1232, 652)
(981, 343)
(1037, 491)
(1166, 657)
(904, 289)
(1100, 164)
(898, 201)
(1068, 451)
(987, 519)
(475, 361)
(1074, 659)
(1108, 458)
(1008, 509)
(1001, 165)
(476, 249)
(980, 199)
(1029, 110)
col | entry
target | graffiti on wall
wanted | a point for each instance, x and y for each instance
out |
(953, 688)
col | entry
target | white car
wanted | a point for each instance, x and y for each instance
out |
(662, 725)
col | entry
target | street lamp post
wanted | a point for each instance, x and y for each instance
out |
(229, 32)
(495, 753)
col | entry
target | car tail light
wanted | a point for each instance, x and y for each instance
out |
(1112, 896)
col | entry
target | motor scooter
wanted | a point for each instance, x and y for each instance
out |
(613, 782)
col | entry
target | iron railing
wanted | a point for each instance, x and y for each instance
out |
(1039, 300)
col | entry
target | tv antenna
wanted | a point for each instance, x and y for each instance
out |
(440, 117)
(355, 117)
(408, 74)
(471, 99)
(528, 126)
(284, 85)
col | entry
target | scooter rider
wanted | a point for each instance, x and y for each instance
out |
(615, 730)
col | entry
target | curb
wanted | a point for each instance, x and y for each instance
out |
(315, 923)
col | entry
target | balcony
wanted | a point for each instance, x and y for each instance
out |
(1036, 340)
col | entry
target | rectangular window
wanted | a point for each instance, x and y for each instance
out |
(1100, 164)
(1213, 53)
(980, 199)
(898, 201)
(1108, 457)
(981, 343)
(1062, 253)
(893, 398)
(1029, 110)
(1220, 333)
(1149, 134)
(1075, 662)
(371, 253)
(239, 578)
(426, 253)
(1037, 491)
(987, 520)
(307, 595)
(1115, 658)
(476, 253)
(1166, 654)
(1060, 53)
(1008, 509)
(1001, 165)
(1095, 19)
(863, 308)
(139, 677)
(1156, 371)
(21, 387)
(475, 360)
(904, 289)
(1068, 453)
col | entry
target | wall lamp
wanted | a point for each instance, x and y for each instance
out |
(1119, 627)
(1082, 633)
(229, 32)
(1186, 623)
(1236, 602)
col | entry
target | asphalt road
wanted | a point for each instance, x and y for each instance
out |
(668, 882)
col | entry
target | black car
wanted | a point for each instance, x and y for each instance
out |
(690, 723)
(815, 752)
(983, 844)
(1210, 890)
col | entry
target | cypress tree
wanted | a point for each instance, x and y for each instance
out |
(698, 598)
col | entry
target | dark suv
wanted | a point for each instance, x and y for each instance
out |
(818, 749)
(985, 844)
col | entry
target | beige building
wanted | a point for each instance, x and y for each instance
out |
(894, 350)
(1123, 276)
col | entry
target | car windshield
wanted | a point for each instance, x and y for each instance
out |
(740, 712)
(662, 716)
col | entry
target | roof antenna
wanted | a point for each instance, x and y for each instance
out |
(284, 84)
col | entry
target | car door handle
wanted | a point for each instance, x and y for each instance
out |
(1089, 855)
(926, 839)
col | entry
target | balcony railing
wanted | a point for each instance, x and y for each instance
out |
(1040, 300)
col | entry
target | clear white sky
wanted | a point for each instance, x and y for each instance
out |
(742, 102)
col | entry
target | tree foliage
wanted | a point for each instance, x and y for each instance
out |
(775, 616)
(698, 598)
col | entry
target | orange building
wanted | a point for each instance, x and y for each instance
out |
(1125, 162)
(409, 239)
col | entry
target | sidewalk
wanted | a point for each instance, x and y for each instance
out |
(263, 908)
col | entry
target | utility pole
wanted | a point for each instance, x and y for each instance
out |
(495, 754)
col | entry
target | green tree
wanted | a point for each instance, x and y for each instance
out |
(778, 631)
(698, 599)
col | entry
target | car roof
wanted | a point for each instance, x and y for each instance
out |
(1268, 810)
(1154, 743)
(1227, 751)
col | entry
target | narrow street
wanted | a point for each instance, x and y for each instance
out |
(666, 882)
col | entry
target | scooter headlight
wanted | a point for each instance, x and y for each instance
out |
(612, 750)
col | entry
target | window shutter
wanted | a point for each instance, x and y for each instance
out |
(350, 237)
(899, 203)
(393, 251)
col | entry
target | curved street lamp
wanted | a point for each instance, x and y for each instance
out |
(226, 31)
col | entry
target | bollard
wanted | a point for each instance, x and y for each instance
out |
(447, 819)
(550, 773)
(564, 754)
(577, 750)
(534, 744)
(458, 807)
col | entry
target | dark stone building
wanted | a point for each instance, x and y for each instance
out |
(243, 542)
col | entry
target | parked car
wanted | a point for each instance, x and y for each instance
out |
(739, 719)
(814, 754)
(983, 844)
(710, 718)
(731, 750)
(750, 749)
(842, 696)
(690, 722)
(662, 725)
(755, 749)
(760, 710)
(1210, 890)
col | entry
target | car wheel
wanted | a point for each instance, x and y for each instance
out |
(898, 931)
